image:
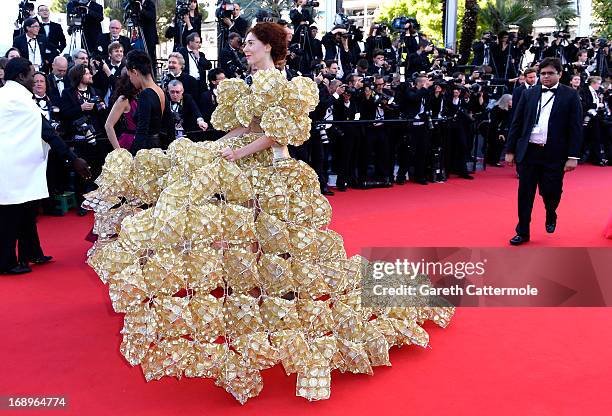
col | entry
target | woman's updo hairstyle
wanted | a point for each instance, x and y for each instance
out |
(274, 35)
(138, 60)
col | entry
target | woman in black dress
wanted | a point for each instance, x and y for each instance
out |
(151, 102)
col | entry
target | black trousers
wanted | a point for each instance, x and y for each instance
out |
(547, 177)
(18, 229)
(419, 141)
(346, 163)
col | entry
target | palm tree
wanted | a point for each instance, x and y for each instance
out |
(501, 15)
(468, 31)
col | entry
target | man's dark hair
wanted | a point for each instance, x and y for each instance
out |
(191, 37)
(29, 22)
(529, 71)
(138, 60)
(378, 52)
(554, 62)
(75, 75)
(233, 36)
(212, 74)
(9, 50)
(363, 64)
(16, 67)
(329, 63)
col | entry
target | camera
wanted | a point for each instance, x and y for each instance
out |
(182, 8)
(75, 14)
(311, 3)
(225, 8)
(561, 34)
(602, 42)
(94, 99)
(399, 23)
(25, 8)
(84, 130)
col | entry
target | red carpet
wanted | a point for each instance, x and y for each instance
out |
(61, 337)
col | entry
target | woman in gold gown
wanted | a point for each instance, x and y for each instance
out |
(219, 255)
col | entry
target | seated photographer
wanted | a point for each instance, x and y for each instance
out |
(593, 110)
(336, 43)
(576, 83)
(83, 113)
(286, 70)
(380, 65)
(176, 64)
(183, 26)
(92, 16)
(499, 119)
(114, 35)
(108, 70)
(185, 113)
(32, 45)
(332, 69)
(125, 104)
(231, 58)
(196, 63)
(580, 67)
(12, 53)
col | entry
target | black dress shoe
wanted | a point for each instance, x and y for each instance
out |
(341, 188)
(517, 240)
(421, 181)
(19, 269)
(550, 227)
(400, 180)
(466, 176)
(327, 192)
(386, 184)
(42, 259)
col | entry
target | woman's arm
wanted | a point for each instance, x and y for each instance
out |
(263, 143)
(120, 107)
(238, 131)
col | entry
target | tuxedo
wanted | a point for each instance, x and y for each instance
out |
(199, 60)
(186, 114)
(517, 93)
(39, 45)
(542, 165)
(417, 62)
(105, 84)
(482, 54)
(92, 27)
(240, 26)
(148, 21)
(190, 84)
(105, 39)
(334, 51)
(56, 40)
(180, 29)
(411, 43)
(593, 140)
(55, 87)
(208, 104)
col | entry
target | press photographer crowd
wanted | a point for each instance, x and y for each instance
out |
(394, 105)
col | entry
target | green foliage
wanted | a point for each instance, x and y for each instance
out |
(501, 15)
(59, 6)
(602, 11)
(427, 12)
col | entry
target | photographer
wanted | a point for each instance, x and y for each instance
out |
(561, 48)
(336, 43)
(187, 20)
(418, 61)
(347, 136)
(196, 63)
(91, 14)
(539, 48)
(208, 100)
(26, 11)
(380, 66)
(186, 115)
(410, 38)
(143, 14)
(22, 168)
(231, 58)
(503, 57)
(56, 41)
(31, 45)
(235, 23)
(593, 113)
(56, 80)
(499, 125)
(456, 108)
(83, 113)
(482, 50)
(377, 40)
(114, 35)
(108, 70)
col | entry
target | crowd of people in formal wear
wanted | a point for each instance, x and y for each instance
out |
(393, 106)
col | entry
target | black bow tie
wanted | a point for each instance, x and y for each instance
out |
(45, 24)
(553, 90)
(59, 79)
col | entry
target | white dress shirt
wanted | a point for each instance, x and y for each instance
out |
(539, 134)
(193, 63)
(34, 52)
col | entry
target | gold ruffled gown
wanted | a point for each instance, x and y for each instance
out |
(223, 269)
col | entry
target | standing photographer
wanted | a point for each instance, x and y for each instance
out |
(482, 50)
(593, 111)
(56, 41)
(196, 63)
(187, 20)
(91, 14)
(234, 22)
(337, 49)
(378, 40)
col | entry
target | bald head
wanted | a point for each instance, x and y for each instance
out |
(59, 66)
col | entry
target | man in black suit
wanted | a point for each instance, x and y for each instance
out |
(176, 66)
(594, 130)
(544, 139)
(108, 70)
(148, 22)
(92, 21)
(32, 46)
(186, 115)
(231, 58)
(237, 24)
(56, 41)
(208, 101)
(56, 80)
(380, 65)
(418, 61)
(531, 79)
(113, 35)
(482, 50)
(196, 63)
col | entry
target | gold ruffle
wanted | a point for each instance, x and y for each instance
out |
(224, 269)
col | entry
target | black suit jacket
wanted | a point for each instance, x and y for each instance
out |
(240, 26)
(21, 43)
(190, 84)
(56, 40)
(105, 39)
(587, 100)
(190, 113)
(203, 66)
(53, 91)
(208, 103)
(228, 58)
(148, 19)
(564, 126)
(92, 27)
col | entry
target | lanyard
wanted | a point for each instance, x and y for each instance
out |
(193, 58)
(33, 50)
(541, 107)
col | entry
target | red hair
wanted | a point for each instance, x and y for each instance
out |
(274, 35)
